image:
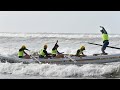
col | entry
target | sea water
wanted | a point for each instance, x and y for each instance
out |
(68, 43)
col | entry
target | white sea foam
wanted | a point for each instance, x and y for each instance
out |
(61, 71)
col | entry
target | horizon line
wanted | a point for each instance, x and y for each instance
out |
(48, 32)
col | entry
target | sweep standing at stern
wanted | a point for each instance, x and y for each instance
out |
(105, 39)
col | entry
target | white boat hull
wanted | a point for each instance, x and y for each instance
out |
(68, 60)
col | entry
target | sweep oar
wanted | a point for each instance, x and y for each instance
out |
(102, 45)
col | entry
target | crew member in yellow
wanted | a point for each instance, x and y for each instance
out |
(80, 51)
(22, 52)
(43, 52)
(55, 52)
(105, 39)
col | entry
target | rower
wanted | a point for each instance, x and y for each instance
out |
(105, 39)
(43, 53)
(55, 52)
(80, 51)
(22, 52)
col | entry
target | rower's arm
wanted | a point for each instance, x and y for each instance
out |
(82, 53)
(54, 46)
(104, 30)
(56, 43)
(45, 52)
(58, 52)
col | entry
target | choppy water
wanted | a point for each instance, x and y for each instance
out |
(69, 43)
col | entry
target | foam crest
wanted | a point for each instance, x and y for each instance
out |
(61, 71)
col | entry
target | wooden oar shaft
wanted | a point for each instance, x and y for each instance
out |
(102, 45)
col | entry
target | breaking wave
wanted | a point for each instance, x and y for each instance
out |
(61, 71)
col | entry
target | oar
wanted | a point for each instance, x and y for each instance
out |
(102, 45)
(34, 57)
(71, 59)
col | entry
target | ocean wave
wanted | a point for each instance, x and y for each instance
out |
(61, 71)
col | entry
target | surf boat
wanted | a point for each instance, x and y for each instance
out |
(99, 59)
(83, 60)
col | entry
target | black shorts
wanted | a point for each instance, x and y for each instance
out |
(20, 56)
(54, 55)
(41, 56)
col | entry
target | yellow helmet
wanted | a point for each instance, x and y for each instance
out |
(82, 47)
(45, 46)
(23, 46)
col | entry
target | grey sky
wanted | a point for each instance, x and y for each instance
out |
(59, 21)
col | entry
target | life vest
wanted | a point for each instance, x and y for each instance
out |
(80, 52)
(105, 37)
(42, 53)
(20, 53)
(54, 51)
